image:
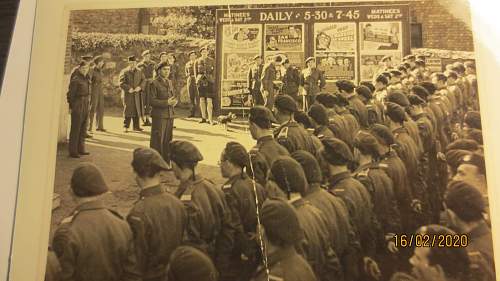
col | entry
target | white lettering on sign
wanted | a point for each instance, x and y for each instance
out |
(275, 16)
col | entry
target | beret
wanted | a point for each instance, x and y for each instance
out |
(310, 166)
(409, 57)
(341, 100)
(367, 144)
(147, 158)
(326, 99)
(463, 144)
(261, 116)
(87, 181)
(420, 91)
(285, 103)
(236, 154)
(131, 58)
(398, 97)
(188, 263)
(465, 201)
(415, 100)
(336, 152)
(473, 119)
(475, 134)
(319, 114)
(369, 85)
(395, 112)
(459, 67)
(395, 73)
(146, 52)
(303, 118)
(280, 221)
(184, 152)
(288, 175)
(383, 134)
(364, 92)
(191, 52)
(345, 85)
(475, 159)
(382, 79)
(454, 158)
(386, 74)
(309, 59)
(452, 74)
(429, 87)
(161, 65)
(386, 58)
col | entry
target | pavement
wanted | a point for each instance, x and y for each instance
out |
(111, 151)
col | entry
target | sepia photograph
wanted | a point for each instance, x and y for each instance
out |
(322, 141)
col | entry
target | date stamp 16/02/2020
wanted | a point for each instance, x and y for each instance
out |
(431, 240)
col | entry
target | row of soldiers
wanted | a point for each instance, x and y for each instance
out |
(320, 197)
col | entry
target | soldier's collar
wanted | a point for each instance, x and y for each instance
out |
(339, 177)
(295, 198)
(280, 254)
(92, 205)
(313, 188)
(364, 166)
(265, 138)
(152, 190)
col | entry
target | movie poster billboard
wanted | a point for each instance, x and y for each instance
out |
(242, 38)
(284, 37)
(337, 65)
(295, 58)
(371, 65)
(339, 36)
(235, 94)
(236, 65)
(380, 36)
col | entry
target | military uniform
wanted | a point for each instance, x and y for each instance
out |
(269, 74)
(270, 149)
(294, 137)
(351, 125)
(291, 83)
(360, 109)
(95, 244)
(480, 250)
(254, 83)
(162, 115)
(148, 68)
(78, 99)
(53, 268)
(313, 80)
(97, 100)
(240, 196)
(191, 86)
(157, 220)
(285, 265)
(133, 107)
(204, 69)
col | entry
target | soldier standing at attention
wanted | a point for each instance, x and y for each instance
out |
(267, 87)
(204, 69)
(174, 72)
(158, 219)
(191, 83)
(94, 243)
(312, 80)
(254, 82)
(78, 100)
(148, 67)
(346, 89)
(291, 81)
(132, 81)
(281, 231)
(189, 264)
(97, 95)
(163, 101)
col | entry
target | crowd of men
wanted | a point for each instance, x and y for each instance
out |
(323, 195)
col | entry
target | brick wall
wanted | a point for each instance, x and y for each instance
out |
(106, 21)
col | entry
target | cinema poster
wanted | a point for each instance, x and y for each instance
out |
(380, 36)
(236, 65)
(371, 65)
(242, 38)
(235, 94)
(339, 36)
(295, 58)
(337, 65)
(284, 37)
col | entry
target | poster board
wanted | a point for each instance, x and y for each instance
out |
(347, 42)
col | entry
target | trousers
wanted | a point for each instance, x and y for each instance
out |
(161, 136)
(135, 120)
(193, 94)
(79, 123)
(97, 111)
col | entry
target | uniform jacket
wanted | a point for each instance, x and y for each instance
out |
(324, 132)
(316, 247)
(360, 108)
(351, 125)
(149, 69)
(53, 268)
(158, 220)
(97, 85)
(189, 68)
(130, 78)
(285, 265)
(294, 137)
(270, 149)
(267, 78)
(253, 77)
(313, 80)
(340, 127)
(79, 87)
(204, 68)
(161, 91)
(480, 250)
(291, 81)
(95, 244)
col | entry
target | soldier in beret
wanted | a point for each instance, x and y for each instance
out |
(472, 120)
(374, 108)
(337, 123)
(320, 122)
(395, 81)
(148, 67)
(345, 242)
(97, 96)
(346, 89)
(454, 158)
(78, 99)
(241, 196)
(269, 75)
(465, 211)
(291, 81)
(454, 90)
(204, 71)
(163, 57)
(253, 80)
(380, 92)
(175, 72)
(290, 134)
(316, 247)
(158, 219)
(208, 226)
(357, 199)
(312, 80)
(94, 243)
(281, 231)
(472, 170)
(351, 123)
(464, 144)
(188, 264)
(463, 84)
(132, 83)
(162, 100)
(191, 83)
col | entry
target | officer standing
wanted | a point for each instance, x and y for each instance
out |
(269, 75)
(290, 134)
(97, 95)
(94, 243)
(253, 80)
(132, 83)
(291, 81)
(316, 247)
(162, 101)
(204, 69)
(241, 196)
(312, 80)
(191, 83)
(208, 226)
(158, 219)
(78, 100)
(281, 231)
(149, 68)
